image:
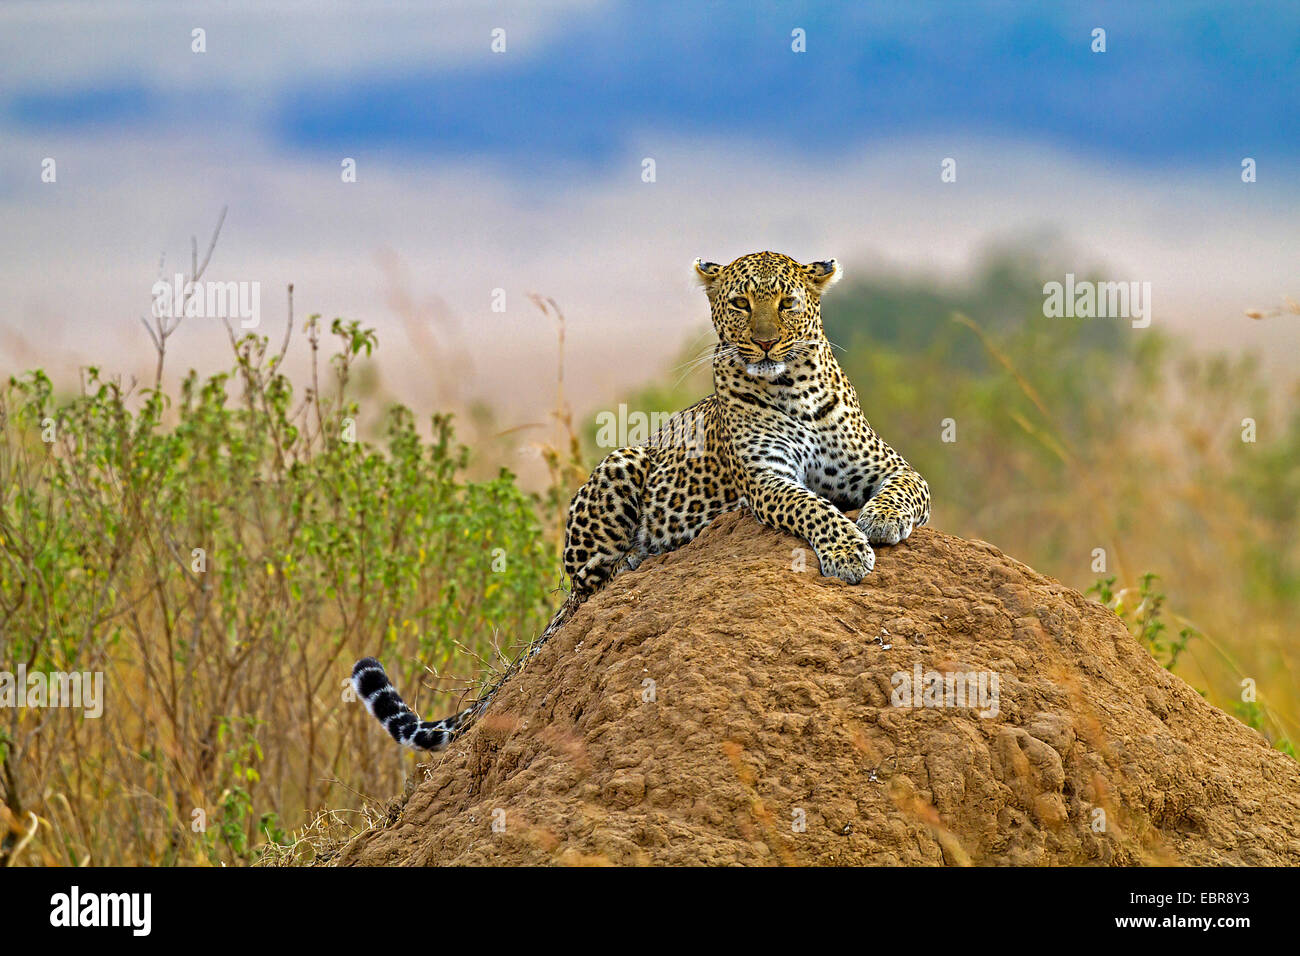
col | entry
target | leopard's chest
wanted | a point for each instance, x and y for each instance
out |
(808, 422)
(828, 424)
(819, 411)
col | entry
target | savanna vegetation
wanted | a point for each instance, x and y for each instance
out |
(1163, 480)
(221, 552)
(222, 555)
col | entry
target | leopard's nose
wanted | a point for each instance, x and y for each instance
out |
(766, 344)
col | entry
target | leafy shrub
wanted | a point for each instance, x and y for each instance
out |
(222, 555)
(1142, 614)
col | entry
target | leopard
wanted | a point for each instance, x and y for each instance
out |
(783, 436)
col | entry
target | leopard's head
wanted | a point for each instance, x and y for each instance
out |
(767, 308)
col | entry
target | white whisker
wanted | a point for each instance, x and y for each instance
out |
(707, 353)
(717, 350)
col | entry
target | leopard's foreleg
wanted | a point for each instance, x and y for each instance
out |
(898, 504)
(841, 547)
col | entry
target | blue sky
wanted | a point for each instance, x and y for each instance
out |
(1176, 84)
(1179, 84)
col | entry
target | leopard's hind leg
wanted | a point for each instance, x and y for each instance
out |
(604, 530)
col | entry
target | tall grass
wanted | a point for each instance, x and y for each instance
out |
(221, 555)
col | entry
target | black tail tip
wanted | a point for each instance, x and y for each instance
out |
(366, 664)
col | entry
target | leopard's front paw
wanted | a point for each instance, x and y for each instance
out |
(850, 561)
(884, 523)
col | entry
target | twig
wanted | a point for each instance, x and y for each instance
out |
(163, 328)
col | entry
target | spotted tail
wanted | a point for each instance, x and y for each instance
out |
(382, 699)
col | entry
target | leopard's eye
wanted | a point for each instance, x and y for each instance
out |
(789, 303)
(740, 302)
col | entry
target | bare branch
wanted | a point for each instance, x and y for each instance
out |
(165, 327)
(212, 244)
(147, 328)
(288, 331)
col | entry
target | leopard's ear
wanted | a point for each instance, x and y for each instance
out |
(822, 275)
(706, 273)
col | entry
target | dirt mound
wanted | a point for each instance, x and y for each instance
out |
(718, 707)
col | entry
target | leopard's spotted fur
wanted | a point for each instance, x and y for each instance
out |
(782, 434)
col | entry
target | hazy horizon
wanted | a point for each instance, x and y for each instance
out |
(466, 183)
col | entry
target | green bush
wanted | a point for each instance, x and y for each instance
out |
(222, 555)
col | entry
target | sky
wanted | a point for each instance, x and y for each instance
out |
(523, 169)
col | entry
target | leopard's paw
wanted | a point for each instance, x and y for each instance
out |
(849, 562)
(884, 523)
